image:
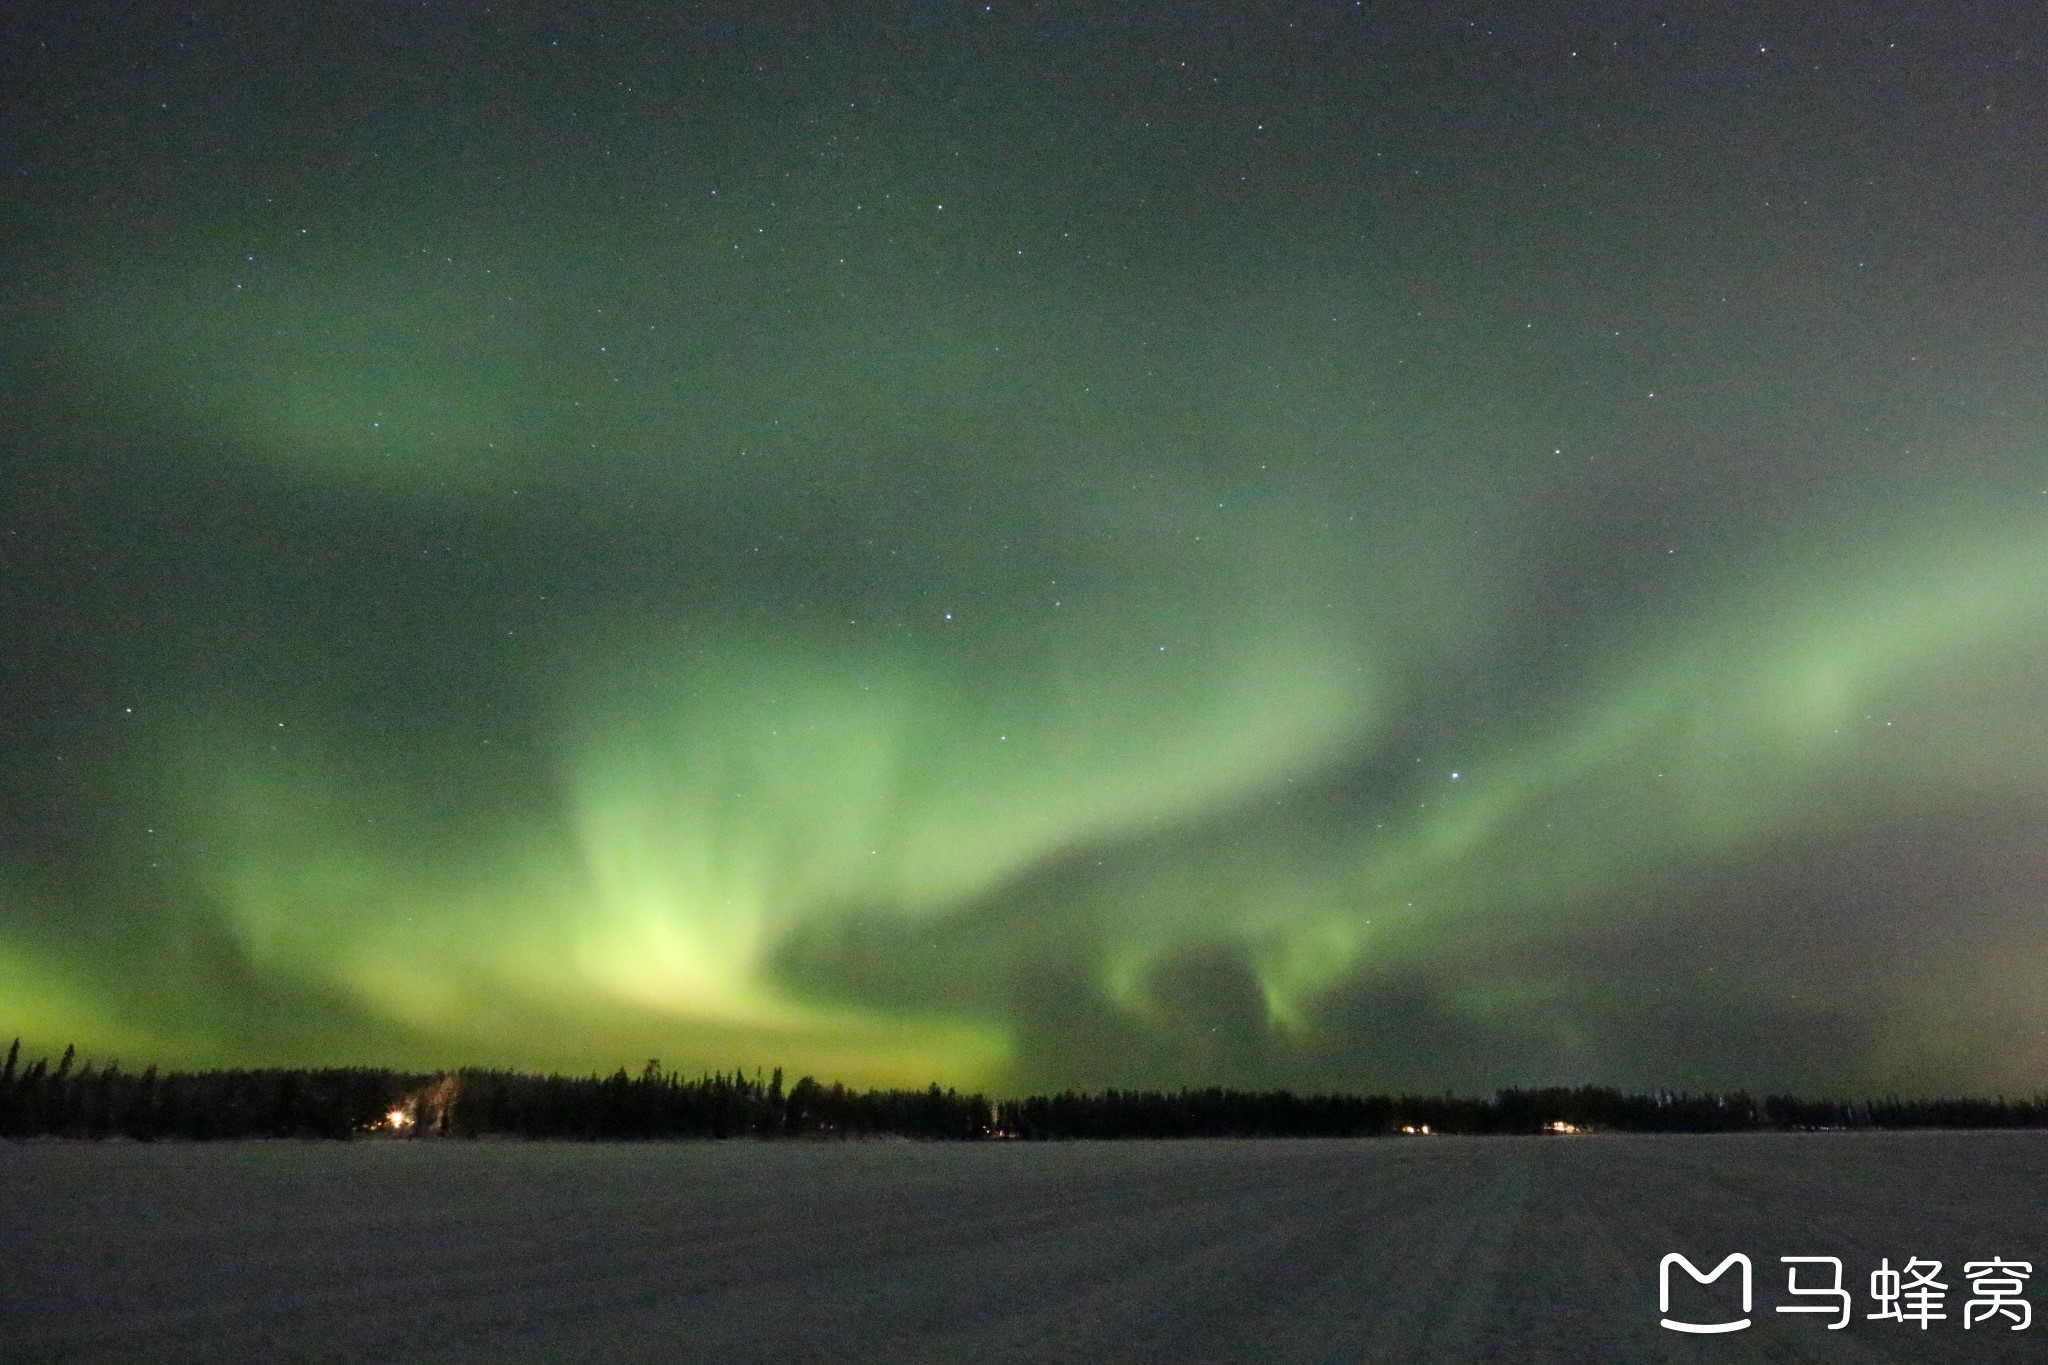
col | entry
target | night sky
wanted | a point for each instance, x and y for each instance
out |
(1316, 545)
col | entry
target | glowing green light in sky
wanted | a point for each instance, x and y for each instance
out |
(912, 564)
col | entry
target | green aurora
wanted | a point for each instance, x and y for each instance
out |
(1027, 550)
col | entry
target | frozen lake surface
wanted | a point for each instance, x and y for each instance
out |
(1454, 1249)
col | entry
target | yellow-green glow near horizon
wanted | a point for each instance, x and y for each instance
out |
(712, 805)
(776, 569)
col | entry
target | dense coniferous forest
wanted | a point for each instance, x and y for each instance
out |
(74, 1100)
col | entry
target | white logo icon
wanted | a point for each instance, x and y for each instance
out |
(1664, 1291)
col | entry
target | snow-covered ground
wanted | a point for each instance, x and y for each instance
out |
(1467, 1249)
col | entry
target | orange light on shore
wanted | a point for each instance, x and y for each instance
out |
(398, 1120)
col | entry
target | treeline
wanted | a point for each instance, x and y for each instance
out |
(84, 1101)
(69, 1099)
(1280, 1113)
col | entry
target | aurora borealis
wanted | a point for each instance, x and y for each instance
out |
(1337, 546)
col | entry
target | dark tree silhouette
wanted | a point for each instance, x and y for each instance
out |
(338, 1103)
